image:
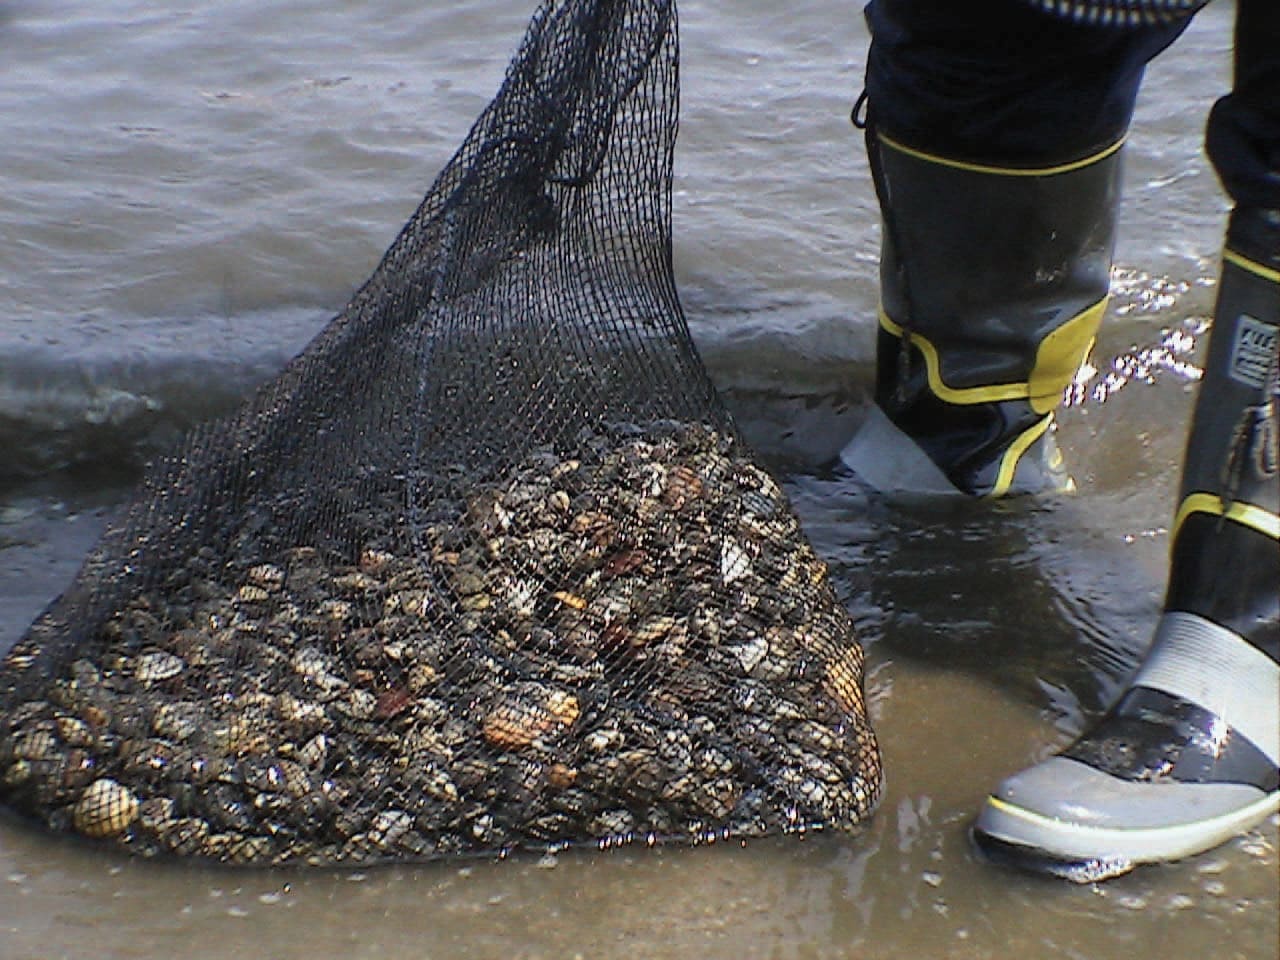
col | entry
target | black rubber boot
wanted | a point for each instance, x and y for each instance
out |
(1190, 755)
(993, 283)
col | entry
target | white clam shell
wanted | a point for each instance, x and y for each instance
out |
(734, 562)
(156, 666)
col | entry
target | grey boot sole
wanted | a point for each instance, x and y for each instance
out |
(1148, 822)
(889, 461)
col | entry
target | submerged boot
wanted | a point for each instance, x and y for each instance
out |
(993, 283)
(1188, 757)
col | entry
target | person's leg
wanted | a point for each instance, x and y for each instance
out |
(994, 134)
(1190, 755)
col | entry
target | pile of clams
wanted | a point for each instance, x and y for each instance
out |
(634, 644)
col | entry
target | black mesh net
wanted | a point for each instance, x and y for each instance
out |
(486, 567)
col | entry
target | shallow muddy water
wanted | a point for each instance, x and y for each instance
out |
(187, 195)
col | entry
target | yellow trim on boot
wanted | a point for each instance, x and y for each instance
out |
(1057, 359)
(1254, 517)
(1009, 462)
(1244, 263)
(961, 395)
(1060, 354)
(998, 170)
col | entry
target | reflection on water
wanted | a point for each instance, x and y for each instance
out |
(1135, 293)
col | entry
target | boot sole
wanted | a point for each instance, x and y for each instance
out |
(889, 461)
(1085, 854)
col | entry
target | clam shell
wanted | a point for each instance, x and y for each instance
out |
(157, 666)
(734, 562)
(105, 809)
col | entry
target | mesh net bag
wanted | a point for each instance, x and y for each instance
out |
(486, 567)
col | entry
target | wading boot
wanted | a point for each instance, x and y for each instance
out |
(993, 282)
(1189, 755)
